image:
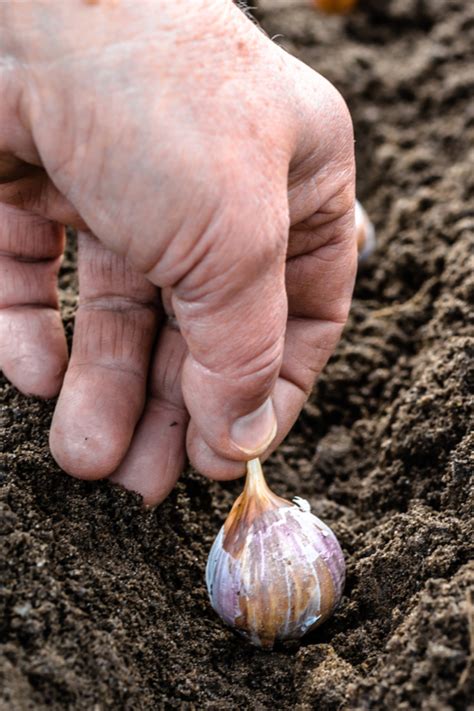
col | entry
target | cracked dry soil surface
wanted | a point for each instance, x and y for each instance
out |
(104, 604)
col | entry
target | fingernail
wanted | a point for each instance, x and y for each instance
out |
(253, 433)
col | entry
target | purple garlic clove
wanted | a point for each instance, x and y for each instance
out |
(275, 571)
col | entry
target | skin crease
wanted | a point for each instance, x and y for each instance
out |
(211, 177)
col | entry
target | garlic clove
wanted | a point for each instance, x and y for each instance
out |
(365, 233)
(275, 570)
(335, 6)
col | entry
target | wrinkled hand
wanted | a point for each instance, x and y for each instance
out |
(211, 176)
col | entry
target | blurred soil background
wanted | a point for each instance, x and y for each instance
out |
(104, 604)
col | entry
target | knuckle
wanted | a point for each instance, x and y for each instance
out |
(341, 202)
(114, 335)
(335, 122)
(106, 275)
(236, 248)
(259, 370)
(340, 312)
(340, 111)
(260, 234)
(260, 253)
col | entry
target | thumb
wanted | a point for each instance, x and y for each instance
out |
(232, 311)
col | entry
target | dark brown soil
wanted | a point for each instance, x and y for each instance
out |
(105, 606)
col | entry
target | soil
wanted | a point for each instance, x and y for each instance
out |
(104, 603)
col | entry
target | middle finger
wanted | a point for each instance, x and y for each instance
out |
(104, 388)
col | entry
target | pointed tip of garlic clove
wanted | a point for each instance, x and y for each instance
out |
(254, 501)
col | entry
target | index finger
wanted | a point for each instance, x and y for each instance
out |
(319, 286)
(319, 282)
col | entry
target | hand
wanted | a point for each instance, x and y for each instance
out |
(206, 170)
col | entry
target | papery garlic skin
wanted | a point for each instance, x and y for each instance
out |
(280, 579)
